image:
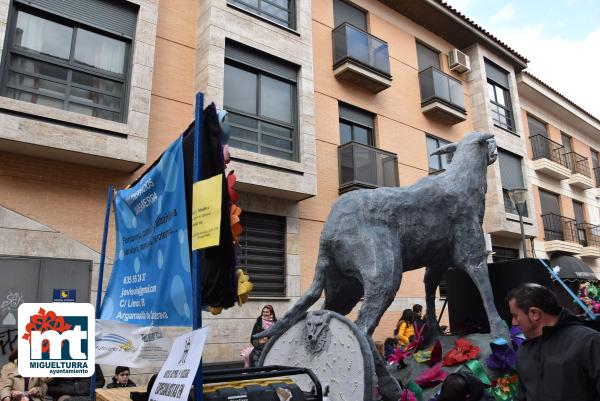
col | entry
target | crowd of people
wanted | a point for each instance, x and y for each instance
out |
(14, 387)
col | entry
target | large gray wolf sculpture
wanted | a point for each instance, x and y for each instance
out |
(372, 236)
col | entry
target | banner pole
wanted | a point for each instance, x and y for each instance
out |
(101, 276)
(197, 255)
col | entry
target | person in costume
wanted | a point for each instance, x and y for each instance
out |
(560, 358)
(267, 318)
(405, 328)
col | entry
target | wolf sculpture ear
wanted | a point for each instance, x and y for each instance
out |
(450, 148)
(485, 137)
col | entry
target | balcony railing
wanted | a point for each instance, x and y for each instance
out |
(363, 166)
(544, 148)
(597, 175)
(355, 44)
(578, 163)
(588, 234)
(436, 85)
(560, 228)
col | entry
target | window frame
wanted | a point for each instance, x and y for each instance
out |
(438, 157)
(265, 16)
(433, 50)
(353, 123)
(70, 65)
(243, 252)
(293, 126)
(350, 4)
(508, 204)
(508, 108)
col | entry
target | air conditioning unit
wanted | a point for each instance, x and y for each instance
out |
(458, 61)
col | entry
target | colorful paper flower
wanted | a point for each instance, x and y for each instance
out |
(463, 351)
(502, 356)
(432, 376)
(504, 387)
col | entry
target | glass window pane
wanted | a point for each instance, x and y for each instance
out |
(92, 111)
(361, 135)
(427, 57)
(345, 133)
(241, 120)
(276, 142)
(99, 51)
(277, 153)
(45, 87)
(243, 145)
(42, 36)
(38, 67)
(105, 85)
(253, 3)
(491, 93)
(33, 98)
(500, 96)
(94, 98)
(276, 130)
(275, 99)
(240, 89)
(274, 11)
(240, 133)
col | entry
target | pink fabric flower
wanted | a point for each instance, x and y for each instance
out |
(432, 376)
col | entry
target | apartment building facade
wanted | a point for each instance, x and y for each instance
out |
(563, 168)
(324, 97)
(92, 92)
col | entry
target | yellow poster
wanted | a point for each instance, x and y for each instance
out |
(206, 212)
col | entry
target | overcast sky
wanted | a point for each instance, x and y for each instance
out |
(561, 39)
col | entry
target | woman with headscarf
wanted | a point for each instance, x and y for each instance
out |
(267, 318)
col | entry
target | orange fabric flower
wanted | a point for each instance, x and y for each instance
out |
(463, 351)
(236, 227)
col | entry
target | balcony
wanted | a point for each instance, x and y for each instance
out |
(361, 58)
(549, 157)
(561, 234)
(442, 96)
(580, 168)
(363, 166)
(589, 237)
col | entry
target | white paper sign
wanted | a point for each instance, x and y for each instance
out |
(123, 344)
(174, 381)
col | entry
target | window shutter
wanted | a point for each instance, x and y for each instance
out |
(260, 60)
(496, 74)
(262, 252)
(115, 17)
(536, 127)
(356, 115)
(510, 170)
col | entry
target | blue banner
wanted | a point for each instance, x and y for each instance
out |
(150, 282)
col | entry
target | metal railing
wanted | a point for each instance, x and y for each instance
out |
(544, 148)
(363, 166)
(578, 163)
(350, 42)
(436, 85)
(561, 228)
(588, 234)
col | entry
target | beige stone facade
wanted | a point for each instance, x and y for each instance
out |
(562, 117)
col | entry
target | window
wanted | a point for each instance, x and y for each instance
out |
(437, 163)
(503, 254)
(427, 57)
(566, 142)
(356, 125)
(580, 222)
(262, 252)
(511, 177)
(536, 127)
(260, 95)
(69, 65)
(280, 12)
(499, 95)
(346, 12)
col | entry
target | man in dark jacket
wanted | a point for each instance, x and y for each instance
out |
(560, 360)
